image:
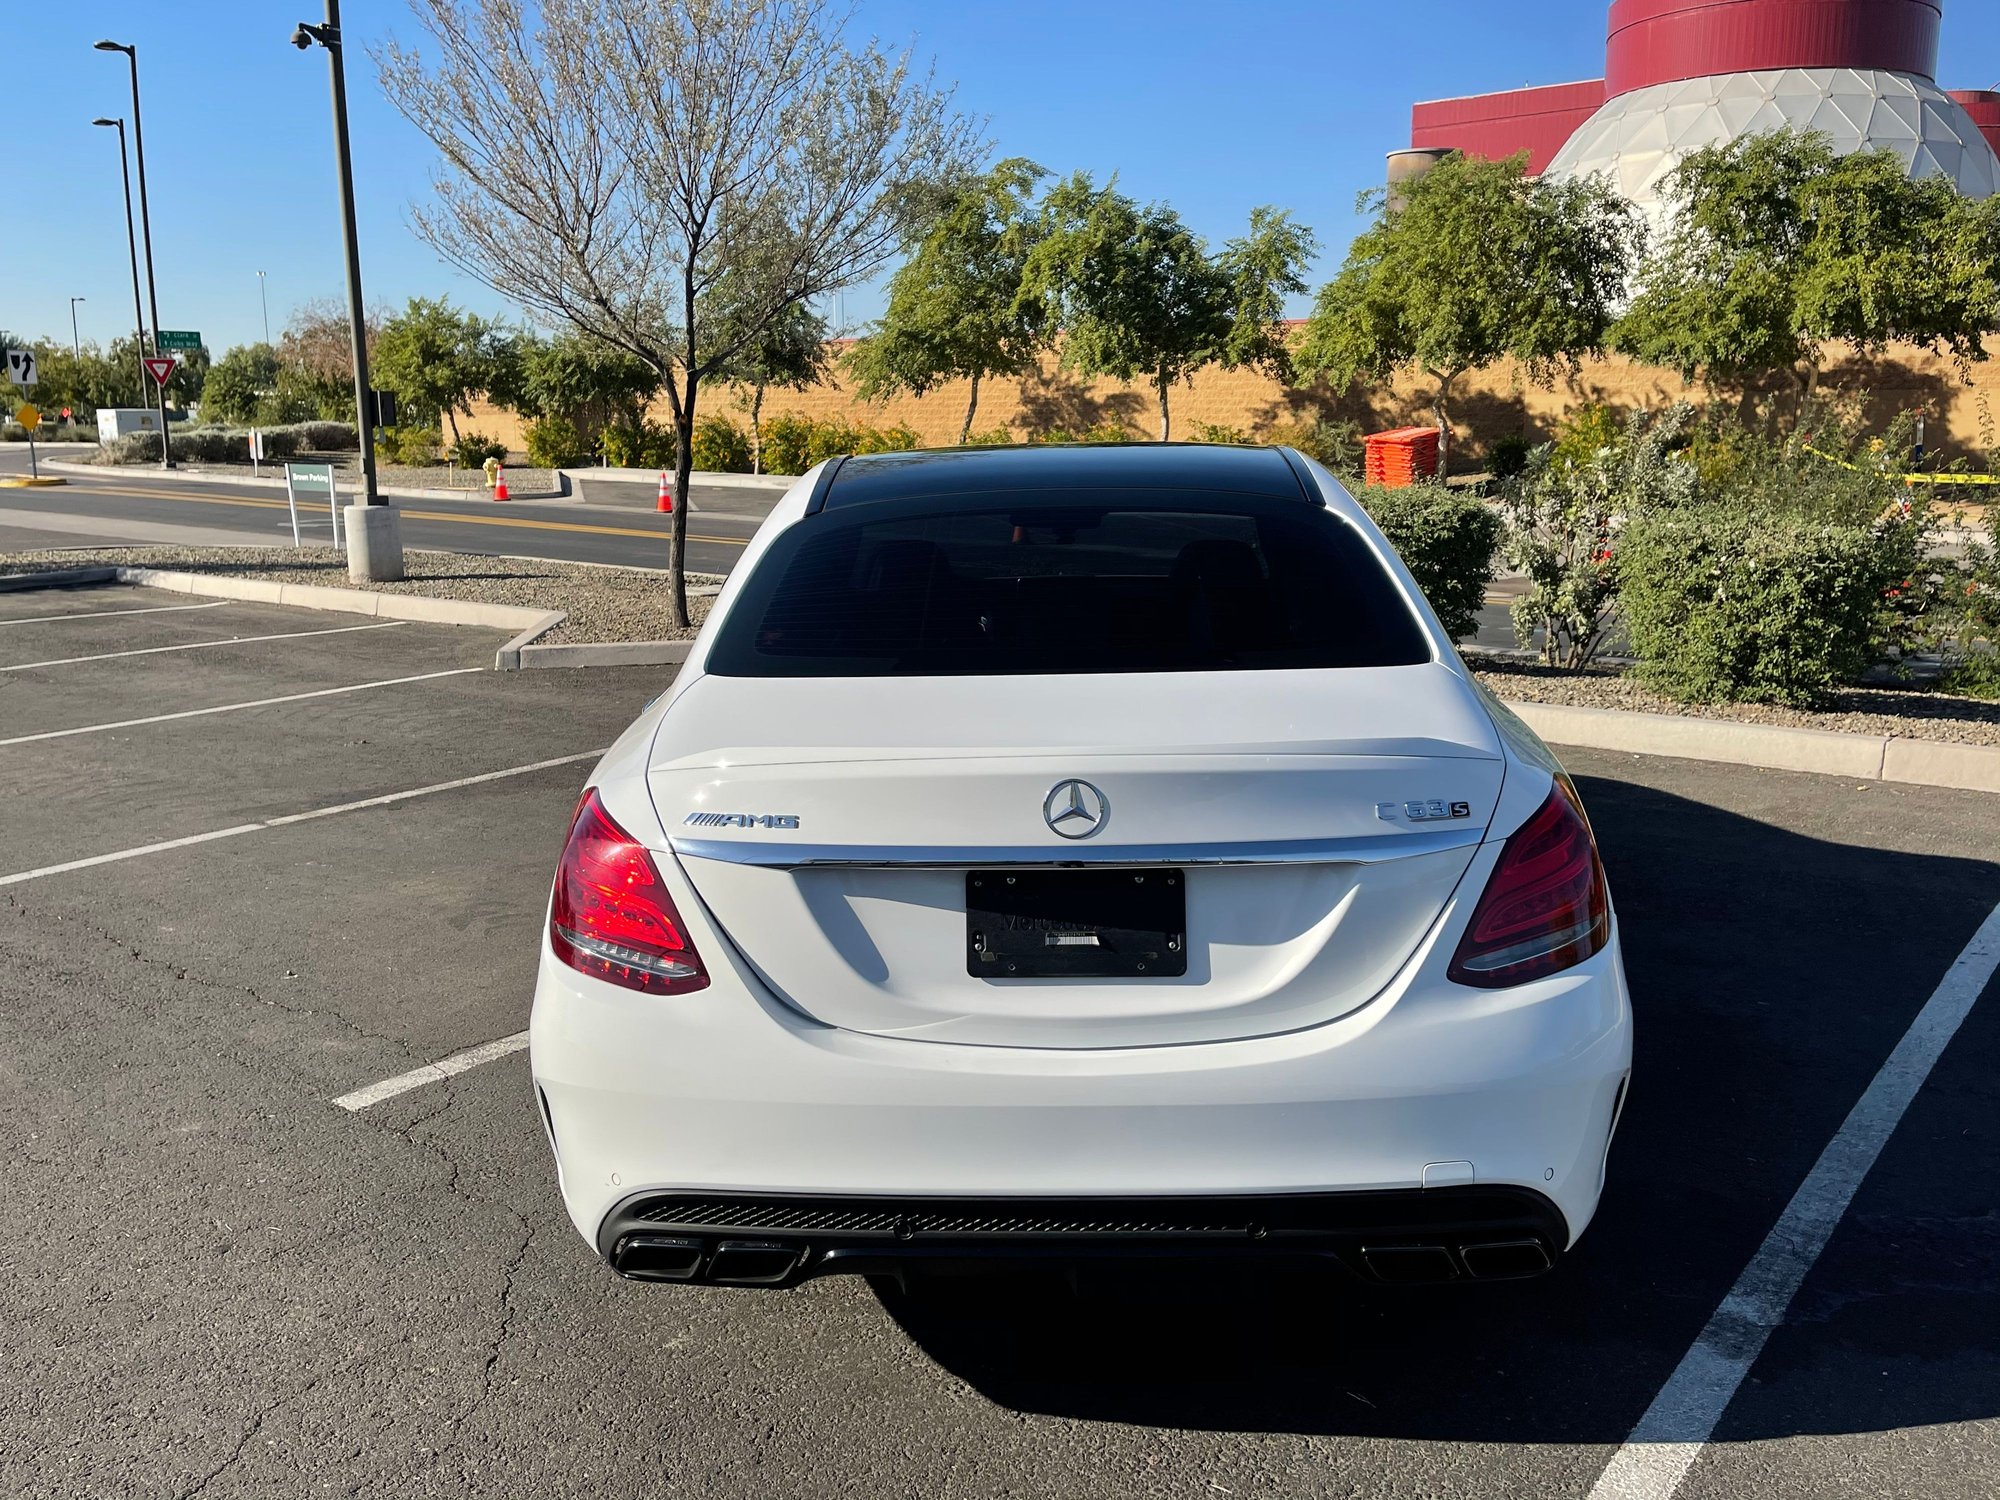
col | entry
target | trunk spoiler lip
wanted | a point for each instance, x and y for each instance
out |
(774, 758)
(1364, 850)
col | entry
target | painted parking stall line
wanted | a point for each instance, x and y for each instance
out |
(1656, 1458)
(437, 1072)
(230, 708)
(286, 820)
(241, 640)
(106, 614)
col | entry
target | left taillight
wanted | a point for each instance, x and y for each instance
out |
(611, 916)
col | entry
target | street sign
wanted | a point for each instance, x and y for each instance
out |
(28, 416)
(160, 366)
(182, 339)
(21, 366)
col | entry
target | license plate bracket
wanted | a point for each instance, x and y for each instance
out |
(1076, 924)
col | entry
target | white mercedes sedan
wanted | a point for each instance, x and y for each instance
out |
(1066, 852)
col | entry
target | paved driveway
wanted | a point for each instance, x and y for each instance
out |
(275, 861)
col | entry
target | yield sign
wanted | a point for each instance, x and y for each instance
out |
(160, 366)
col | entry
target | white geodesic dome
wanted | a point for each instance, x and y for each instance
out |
(1636, 139)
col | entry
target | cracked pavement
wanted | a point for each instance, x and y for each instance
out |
(213, 1282)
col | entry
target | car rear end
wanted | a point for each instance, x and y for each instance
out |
(1076, 853)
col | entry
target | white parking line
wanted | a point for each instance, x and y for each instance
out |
(1670, 1436)
(139, 851)
(241, 640)
(105, 614)
(437, 1072)
(230, 708)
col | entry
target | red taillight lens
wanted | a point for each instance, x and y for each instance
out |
(1544, 907)
(611, 916)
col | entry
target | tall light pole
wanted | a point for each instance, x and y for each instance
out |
(132, 245)
(75, 343)
(264, 302)
(374, 542)
(146, 232)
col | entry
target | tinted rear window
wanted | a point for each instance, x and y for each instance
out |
(1139, 582)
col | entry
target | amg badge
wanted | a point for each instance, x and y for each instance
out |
(1422, 812)
(741, 820)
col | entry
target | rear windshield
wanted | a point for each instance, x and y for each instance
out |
(990, 585)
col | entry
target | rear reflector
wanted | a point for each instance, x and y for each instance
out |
(1544, 907)
(611, 916)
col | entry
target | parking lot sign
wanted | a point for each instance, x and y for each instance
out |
(311, 479)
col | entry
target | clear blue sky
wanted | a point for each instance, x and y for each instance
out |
(1214, 106)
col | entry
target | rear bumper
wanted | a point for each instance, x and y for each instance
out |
(728, 1097)
(734, 1239)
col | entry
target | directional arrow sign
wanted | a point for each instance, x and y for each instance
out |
(21, 366)
(160, 366)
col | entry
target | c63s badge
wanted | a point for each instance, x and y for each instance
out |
(1422, 812)
(740, 820)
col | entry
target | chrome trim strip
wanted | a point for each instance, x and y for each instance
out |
(1373, 849)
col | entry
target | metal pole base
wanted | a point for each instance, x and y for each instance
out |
(374, 543)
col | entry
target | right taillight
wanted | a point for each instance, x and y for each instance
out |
(611, 916)
(1544, 907)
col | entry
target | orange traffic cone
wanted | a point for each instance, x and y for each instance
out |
(500, 484)
(666, 504)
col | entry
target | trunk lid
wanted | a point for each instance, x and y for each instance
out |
(1322, 819)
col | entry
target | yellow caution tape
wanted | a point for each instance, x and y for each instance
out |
(1910, 478)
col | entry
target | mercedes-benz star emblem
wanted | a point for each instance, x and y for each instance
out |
(1075, 809)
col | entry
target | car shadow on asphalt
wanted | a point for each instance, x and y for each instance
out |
(1771, 973)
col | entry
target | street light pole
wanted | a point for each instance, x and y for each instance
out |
(132, 246)
(146, 232)
(75, 343)
(265, 303)
(374, 543)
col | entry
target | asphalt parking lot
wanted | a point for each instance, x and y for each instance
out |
(257, 860)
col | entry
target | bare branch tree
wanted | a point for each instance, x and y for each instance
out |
(670, 176)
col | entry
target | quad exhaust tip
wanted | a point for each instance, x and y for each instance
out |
(1502, 1260)
(673, 1257)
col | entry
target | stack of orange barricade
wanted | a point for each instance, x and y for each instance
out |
(1400, 457)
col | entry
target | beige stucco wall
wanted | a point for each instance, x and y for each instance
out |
(1493, 403)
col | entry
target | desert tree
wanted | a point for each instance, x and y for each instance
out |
(1776, 246)
(956, 308)
(791, 354)
(669, 177)
(1137, 295)
(1468, 264)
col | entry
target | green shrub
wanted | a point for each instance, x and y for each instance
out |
(1724, 606)
(328, 437)
(1337, 445)
(650, 445)
(1562, 513)
(471, 449)
(720, 446)
(1103, 432)
(1215, 432)
(280, 442)
(785, 440)
(554, 443)
(898, 439)
(1508, 456)
(1586, 429)
(993, 437)
(1446, 540)
(409, 447)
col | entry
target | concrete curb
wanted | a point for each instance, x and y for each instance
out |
(606, 654)
(529, 623)
(29, 482)
(1859, 757)
(775, 484)
(266, 482)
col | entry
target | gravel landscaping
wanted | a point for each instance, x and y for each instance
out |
(604, 604)
(1859, 710)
